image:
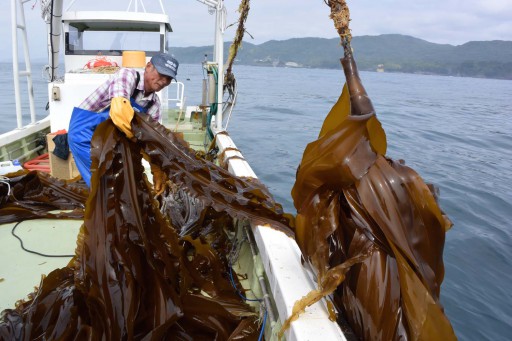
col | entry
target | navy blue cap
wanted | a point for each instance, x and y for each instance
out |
(165, 64)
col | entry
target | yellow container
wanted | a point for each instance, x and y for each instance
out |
(134, 59)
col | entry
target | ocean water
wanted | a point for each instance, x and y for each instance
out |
(455, 132)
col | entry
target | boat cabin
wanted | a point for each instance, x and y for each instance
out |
(93, 41)
(91, 34)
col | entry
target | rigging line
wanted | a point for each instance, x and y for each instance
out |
(236, 247)
(5, 180)
(237, 290)
(31, 251)
(263, 325)
(234, 252)
(52, 76)
(262, 303)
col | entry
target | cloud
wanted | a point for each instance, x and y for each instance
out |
(447, 21)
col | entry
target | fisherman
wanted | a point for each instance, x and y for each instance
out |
(127, 91)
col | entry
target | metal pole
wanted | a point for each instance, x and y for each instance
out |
(15, 69)
(55, 37)
(219, 42)
(28, 67)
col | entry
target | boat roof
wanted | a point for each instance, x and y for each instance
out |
(116, 21)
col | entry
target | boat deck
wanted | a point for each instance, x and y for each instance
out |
(20, 270)
(190, 124)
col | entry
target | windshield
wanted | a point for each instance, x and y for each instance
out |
(112, 42)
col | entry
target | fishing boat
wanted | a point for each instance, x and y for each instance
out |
(269, 262)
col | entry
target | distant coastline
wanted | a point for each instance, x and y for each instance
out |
(382, 53)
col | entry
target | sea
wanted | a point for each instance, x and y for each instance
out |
(455, 132)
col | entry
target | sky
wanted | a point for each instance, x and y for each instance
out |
(452, 22)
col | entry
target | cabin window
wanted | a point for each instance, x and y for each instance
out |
(85, 42)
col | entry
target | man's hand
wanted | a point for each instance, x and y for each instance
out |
(159, 179)
(121, 113)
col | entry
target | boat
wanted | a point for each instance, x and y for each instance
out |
(270, 259)
(213, 257)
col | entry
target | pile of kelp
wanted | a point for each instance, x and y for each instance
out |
(136, 273)
(370, 226)
(31, 195)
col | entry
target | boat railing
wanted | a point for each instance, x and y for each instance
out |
(228, 109)
(281, 259)
(175, 93)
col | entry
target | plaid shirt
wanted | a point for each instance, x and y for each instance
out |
(122, 84)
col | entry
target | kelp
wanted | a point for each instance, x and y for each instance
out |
(369, 226)
(138, 274)
(30, 195)
(215, 186)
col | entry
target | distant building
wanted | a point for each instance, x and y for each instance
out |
(380, 68)
(292, 64)
(267, 59)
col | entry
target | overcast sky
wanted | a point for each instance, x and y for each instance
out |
(441, 21)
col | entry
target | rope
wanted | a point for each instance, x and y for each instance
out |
(105, 69)
(5, 180)
(31, 251)
(236, 246)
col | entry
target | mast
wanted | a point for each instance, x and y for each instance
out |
(218, 53)
(219, 59)
(51, 11)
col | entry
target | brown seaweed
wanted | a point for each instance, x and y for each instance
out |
(133, 276)
(370, 226)
(217, 188)
(31, 195)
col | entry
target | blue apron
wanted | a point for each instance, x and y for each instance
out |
(81, 128)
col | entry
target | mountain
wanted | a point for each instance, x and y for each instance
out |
(392, 52)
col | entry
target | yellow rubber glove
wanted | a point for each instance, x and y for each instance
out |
(159, 179)
(121, 113)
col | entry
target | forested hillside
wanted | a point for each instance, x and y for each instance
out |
(389, 52)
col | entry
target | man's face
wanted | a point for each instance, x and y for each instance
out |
(153, 81)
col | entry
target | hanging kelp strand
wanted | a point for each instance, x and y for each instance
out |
(369, 226)
(243, 9)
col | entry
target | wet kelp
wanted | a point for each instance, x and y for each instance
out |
(31, 195)
(215, 186)
(133, 276)
(369, 226)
